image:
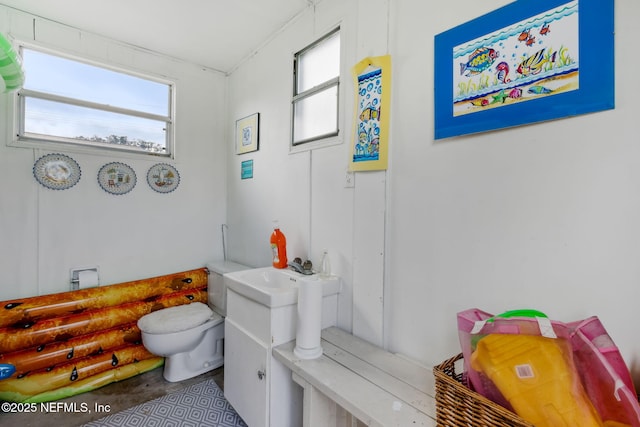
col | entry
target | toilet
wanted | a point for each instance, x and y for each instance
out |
(191, 336)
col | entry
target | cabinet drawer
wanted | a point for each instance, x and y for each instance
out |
(253, 317)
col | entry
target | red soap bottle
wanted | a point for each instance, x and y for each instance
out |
(279, 248)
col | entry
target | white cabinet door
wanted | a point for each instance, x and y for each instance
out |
(245, 375)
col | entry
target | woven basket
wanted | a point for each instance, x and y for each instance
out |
(458, 406)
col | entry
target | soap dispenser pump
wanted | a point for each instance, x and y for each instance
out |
(278, 247)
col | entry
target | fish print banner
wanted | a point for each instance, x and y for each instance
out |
(533, 58)
(527, 62)
(372, 78)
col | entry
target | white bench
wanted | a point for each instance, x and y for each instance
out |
(355, 383)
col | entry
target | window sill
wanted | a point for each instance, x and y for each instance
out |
(315, 145)
(67, 147)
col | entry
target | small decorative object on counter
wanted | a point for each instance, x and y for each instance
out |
(325, 265)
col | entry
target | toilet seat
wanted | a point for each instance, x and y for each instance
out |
(177, 319)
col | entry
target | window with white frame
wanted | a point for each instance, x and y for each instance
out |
(316, 90)
(74, 102)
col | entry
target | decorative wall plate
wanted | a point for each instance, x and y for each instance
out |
(57, 171)
(163, 178)
(117, 178)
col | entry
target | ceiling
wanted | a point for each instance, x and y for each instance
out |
(218, 34)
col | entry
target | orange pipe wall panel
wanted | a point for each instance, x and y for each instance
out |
(24, 311)
(65, 327)
(55, 353)
(96, 381)
(72, 342)
(66, 373)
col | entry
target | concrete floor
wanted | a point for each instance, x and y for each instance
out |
(110, 399)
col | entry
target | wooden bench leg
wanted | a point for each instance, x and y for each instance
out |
(317, 409)
(320, 411)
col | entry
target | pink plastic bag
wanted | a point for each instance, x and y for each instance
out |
(586, 347)
(604, 374)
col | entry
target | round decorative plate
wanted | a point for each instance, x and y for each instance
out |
(117, 178)
(57, 171)
(163, 178)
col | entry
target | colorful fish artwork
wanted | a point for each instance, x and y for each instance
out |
(544, 30)
(369, 102)
(539, 90)
(370, 113)
(369, 142)
(479, 60)
(483, 102)
(525, 62)
(519, 62)
(527, 38)
(524, 35)
(515, 93)
(535, 63)
(502, 71)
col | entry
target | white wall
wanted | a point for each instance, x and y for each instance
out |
(541, 216)
(306, 190)
(140, 234)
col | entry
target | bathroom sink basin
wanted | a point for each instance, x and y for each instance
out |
(274, 287)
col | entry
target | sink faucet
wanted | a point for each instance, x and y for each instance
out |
(300, 267)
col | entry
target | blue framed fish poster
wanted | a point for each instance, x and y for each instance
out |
(527, 62)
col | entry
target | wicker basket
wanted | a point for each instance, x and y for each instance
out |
(458, 406)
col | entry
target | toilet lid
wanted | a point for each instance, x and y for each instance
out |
(176, 319)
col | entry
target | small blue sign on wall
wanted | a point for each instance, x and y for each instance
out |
(246, 169)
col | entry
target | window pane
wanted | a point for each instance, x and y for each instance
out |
(319, 64)
(45, 117)
(73, 79)
(316, 115)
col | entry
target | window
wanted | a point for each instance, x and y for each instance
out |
(67, 101)
(315, 94)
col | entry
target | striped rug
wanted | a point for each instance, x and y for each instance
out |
(201, 404)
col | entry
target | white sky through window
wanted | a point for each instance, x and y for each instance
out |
(73, 79)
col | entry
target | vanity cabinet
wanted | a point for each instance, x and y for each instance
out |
(258, 386)
(245, 374)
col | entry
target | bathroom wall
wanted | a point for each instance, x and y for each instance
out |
(541, 216)
(140, 234)
(306, 190)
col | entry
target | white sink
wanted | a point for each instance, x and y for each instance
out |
(274, 287)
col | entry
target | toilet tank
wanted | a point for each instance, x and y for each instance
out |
(216, 288)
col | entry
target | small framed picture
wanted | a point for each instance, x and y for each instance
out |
(248, 134)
